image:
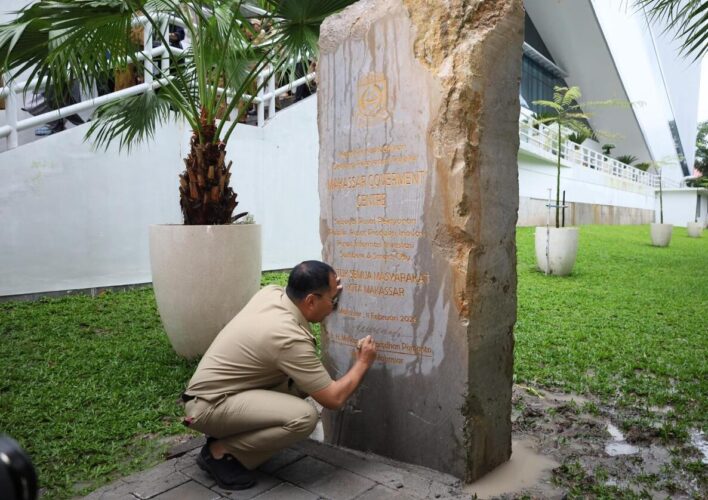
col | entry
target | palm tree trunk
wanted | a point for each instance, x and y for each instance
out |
(558, 178)
(661, 201)
(205, 194)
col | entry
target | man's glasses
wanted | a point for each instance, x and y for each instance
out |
(334, 300)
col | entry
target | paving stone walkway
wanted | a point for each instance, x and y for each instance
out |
(308, 471)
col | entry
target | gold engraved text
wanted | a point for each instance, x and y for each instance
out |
(382, 162)
(381, 291)
(393, 148)
(371, 200)
(391, 179)
(356, 274)
(356, 221)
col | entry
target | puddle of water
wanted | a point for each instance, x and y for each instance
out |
(525, 469)
(567, 398)
(616, 449)
(661, 409)
(698, 439)
(615, 432)
(618, 446)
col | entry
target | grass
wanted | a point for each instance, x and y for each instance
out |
(90, 385)
(629, 325)
(87, 384)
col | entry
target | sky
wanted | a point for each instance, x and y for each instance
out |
(703, 98)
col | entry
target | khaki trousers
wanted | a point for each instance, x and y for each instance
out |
(254, 425)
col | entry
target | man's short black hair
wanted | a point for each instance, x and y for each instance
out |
(308, 277)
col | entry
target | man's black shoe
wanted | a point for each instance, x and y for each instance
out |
(228, 472)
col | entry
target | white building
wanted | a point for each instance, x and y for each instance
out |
(74, 218)
(610, 51)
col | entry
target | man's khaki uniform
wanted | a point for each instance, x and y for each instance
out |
(248, 387)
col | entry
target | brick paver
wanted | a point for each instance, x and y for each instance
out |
(308, 471)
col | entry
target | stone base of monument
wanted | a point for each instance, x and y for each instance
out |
(556, 249)
(660, 234)
(694, 229)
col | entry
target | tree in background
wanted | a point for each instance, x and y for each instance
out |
(701, 163)
(565, 114)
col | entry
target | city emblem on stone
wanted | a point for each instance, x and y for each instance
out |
(372, 100)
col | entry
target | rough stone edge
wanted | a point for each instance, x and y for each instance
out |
(338, 27)
(457, 52)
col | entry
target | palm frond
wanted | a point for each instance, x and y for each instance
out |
(580, 128)
(549, 104)
(61, 42)
(296, 26)
(66, 40)
(687, 20)
(131, 121)
(611, 103)
(569, 96)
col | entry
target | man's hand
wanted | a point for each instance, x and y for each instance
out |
(366, 350)
(335, 394)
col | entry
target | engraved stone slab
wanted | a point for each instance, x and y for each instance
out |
(418, 121)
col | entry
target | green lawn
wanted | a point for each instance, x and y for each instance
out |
(90, 384)
(629, 325)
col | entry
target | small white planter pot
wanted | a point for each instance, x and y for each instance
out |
(695, 229)
(556, 249)
(202, 277)
(660, 234)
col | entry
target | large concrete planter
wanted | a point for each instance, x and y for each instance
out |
(202, 277)
(556, 249)
(660, 234)
(695, 229)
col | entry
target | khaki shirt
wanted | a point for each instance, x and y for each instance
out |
(266, 343)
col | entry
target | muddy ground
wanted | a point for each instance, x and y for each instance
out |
(590, 452)
(569, 446)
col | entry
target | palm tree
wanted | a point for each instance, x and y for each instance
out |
(567, 115)
(688, 19)
(63, 41)
(564, 112)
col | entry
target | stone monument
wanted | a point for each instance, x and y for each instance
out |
(418, 122)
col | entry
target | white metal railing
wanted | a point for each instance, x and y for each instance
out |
(543, 139)
(266, 96)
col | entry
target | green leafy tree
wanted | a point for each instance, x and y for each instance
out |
(62, 41)
(566, 115)
(701, 163)
(686, 19)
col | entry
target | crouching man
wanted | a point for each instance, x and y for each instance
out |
(246, 394)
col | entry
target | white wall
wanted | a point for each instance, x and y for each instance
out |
(581, 184)
(680, 206)
(73, 218)
(278, 183)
